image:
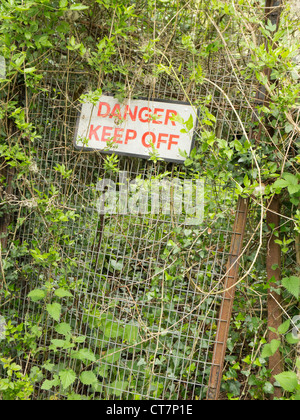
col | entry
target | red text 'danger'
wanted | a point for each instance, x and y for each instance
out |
(142, 114)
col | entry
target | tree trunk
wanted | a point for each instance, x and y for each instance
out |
(274, 299)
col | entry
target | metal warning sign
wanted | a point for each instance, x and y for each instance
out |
(137, 128)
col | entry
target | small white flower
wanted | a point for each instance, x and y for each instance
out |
(34, 168)
(2, 327)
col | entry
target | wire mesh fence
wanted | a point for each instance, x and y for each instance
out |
(136, 295)
(146, 285)
(144, 303)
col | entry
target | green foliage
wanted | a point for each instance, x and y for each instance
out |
(15, 386)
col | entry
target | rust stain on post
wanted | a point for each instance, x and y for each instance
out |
(232, 270)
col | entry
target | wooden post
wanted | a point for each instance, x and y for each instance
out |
(274, 299)
(273, 262)
(232, 270)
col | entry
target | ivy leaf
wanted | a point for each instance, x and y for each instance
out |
(67, 377)
(54, 310)
(268, 388)
(287, 380)
(88, 378)
(290, 181)
(292, 284)
(116, 265)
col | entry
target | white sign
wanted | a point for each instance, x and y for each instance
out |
(137, 128)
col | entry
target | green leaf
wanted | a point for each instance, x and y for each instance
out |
(279, 184)
(47, 385)
(67, 377)
(189, 123)
(283, 328)
(287, 380)
(268, 388)
(292, 284)
(64, 27)
(58, 343)
(291, 339)
(113, 329)
(63, 328)
(238, 145)
(79, 339)
(246, 181)
(118, 266)
(270, 349)
(112, 356)
(54, 310)
(48, 366)
(266, 351)
(37, 294)
(88, 378)
(75, 397)
(63, 3)
(293, 189)
(131, 332)
(292, 182)
(274, 345)
(117, 387)
(78, 6)
(61, 293)
(30, 70)
(84, 354)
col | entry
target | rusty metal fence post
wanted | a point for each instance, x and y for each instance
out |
(232, 270)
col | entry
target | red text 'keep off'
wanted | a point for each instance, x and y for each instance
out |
(136, 127)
